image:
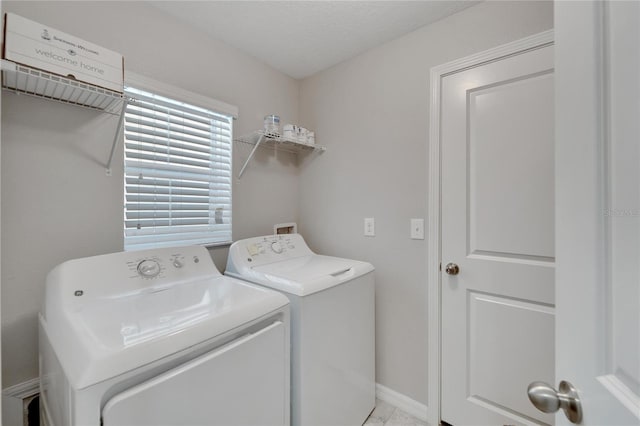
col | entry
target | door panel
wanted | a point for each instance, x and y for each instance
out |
(498, 226)
(623, 201)
(598, 206)
(506, 152)
(486, 364)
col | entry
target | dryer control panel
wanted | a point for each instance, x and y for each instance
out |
(162, 265)
(126, 273)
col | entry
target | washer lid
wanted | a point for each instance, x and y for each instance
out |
(109, 336)
(305, 275)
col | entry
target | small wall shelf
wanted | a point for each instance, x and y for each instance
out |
(260, 138)
(22, 79)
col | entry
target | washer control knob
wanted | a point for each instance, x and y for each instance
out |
(148, 268)
(276, 247)
(177, 263)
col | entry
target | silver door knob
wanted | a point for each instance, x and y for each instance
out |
(546, 399)
(452, 269)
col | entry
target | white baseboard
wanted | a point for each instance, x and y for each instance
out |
(403, 402)
(13, 401)
(13, 410)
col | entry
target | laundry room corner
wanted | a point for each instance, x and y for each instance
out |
(58, 202)
(372, 112)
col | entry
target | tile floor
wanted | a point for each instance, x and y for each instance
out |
(386, 414)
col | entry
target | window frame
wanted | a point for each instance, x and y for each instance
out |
(136, 81)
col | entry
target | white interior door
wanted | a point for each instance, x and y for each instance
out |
(497, 124)
(598, 208)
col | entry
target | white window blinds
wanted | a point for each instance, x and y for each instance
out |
(177, 173)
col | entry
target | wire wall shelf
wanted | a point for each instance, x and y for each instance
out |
(41, 84)
(269, 140)
(34, 82)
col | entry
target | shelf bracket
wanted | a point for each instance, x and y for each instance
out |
(116, 138)
(253, 151)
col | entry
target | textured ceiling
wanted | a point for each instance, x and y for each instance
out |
(301, 38)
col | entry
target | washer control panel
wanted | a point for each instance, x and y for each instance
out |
(277, 244)
(270, 248)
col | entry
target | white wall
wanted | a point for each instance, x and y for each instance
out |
(372, 114)
(57, 203)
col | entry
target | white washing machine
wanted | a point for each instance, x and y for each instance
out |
(332, 325)
(160, 337)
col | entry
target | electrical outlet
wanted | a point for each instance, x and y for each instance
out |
(369, 227)
(417, 229)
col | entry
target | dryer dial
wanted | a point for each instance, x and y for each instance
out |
(276, 247)
(148, 268)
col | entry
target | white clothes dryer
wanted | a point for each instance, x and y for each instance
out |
(332, 325)
(160, 337)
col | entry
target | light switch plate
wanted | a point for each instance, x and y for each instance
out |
(369, 227)
(417, 229)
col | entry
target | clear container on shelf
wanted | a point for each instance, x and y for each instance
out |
(272, 124)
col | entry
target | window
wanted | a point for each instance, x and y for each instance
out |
(177, 173)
